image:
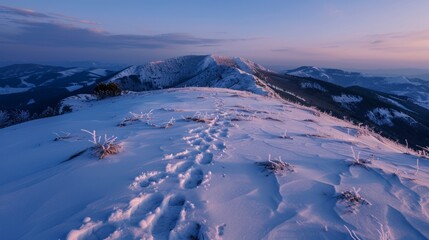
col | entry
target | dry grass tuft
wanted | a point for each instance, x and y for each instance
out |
(103, 147)
(276, 165)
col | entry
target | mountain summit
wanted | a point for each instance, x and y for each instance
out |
(194, 71)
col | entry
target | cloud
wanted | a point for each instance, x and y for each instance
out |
(377, 42)
(414, 41)
(53, 29)
(66, 35)
(22, 12)
(28, 35)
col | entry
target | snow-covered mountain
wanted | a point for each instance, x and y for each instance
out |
(414, 88)
(396, 117)
(194, 164)
(197, 71)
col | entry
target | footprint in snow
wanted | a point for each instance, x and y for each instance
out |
(179, 167)
(197, 142)
(153, 180)
(169, 216)
(204, 158)
(218, 146)
(148, 179)
(202, 148)
(189, 230)
(192, 178)
(224, 133)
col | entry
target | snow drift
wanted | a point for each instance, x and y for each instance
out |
(206, 175)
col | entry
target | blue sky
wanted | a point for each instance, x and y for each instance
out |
(328, 33)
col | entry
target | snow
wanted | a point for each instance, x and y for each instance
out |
(287, 92)
(415, 89)
(385, 116)
(99, 72)
(27, 84)
(9, 90)
(396, 103)
(313, 86)
(71, 72)
(73, 88)
(344, 98)
(31, 101)
(200, 71)
(199, 179)
(347, 101)
(399, 80)
(311, 72)
(76, 102)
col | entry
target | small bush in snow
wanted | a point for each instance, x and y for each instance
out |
(103, 90)
(201, 117)
(168, 124)
(4, 118)
(358, 161)
(424, 152)
(103, 147)
(352, 198)
(48, 112)
(285, 136)
(352, 234)
(62, 136)
(19, 116)
(384, 234)
(276, 165)
(135, 117)
(66, 109)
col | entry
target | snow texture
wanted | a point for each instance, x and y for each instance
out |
(201, 179)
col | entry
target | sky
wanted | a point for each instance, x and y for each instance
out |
(366, 34)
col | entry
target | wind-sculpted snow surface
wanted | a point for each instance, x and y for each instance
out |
(194, 71)
(202, 177)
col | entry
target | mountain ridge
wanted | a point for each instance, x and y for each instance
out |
(413, 88)
(193, 70)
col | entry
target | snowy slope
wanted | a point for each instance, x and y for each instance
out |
(201, 71)
(414, 88)
(198, 179)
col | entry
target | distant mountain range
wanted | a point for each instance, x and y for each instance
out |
(413, 88)
(35, 87)
(373, 104)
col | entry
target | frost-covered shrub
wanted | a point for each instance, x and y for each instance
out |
(20, 116)
(103, 90)
(48, 112)
(352, 199)
(103, 147)
(285, 135)
(276, 165)
(65, 109)
(4, 118)
(168, 124)
(136, 117)
(201, 117)
(61, 136)
(358, 161)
